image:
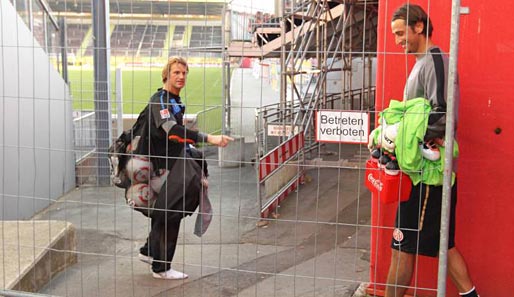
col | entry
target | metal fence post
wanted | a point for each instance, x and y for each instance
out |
(119, 101)
(64, 48)
(100, 12)
(448, 158)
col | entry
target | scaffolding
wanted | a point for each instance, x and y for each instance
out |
(329, 33)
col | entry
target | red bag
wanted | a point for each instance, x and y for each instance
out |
(389, 188)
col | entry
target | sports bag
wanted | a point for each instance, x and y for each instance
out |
(131, 141)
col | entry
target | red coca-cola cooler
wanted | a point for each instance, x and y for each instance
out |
(388, 188)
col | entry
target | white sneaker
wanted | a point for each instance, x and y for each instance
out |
(430, 151)
(170, 274)
(145, 258)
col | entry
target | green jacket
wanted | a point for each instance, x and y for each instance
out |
(413, 117)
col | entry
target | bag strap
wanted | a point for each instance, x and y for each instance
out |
(175, 107)
(440, 75)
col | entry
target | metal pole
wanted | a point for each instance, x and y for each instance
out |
(448, 143)
(119, 101)
(226, 24)
(64, 49)
(228, 107)
(283, 71)
(279, 11)
(31, 17)
(258, 121)
(100, 12)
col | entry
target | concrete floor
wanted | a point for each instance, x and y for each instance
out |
(318, 245)
(301, 253)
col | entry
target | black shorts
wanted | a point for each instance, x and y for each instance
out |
(418, 232)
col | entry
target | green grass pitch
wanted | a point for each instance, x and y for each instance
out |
(203, 91)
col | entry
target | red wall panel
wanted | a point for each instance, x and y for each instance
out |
(486, 65)
(486, 70)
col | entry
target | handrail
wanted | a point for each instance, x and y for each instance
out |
(270, 114)
(51, 24)
(330, 98)
(49, 12)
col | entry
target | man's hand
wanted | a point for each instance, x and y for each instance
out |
(219, 140)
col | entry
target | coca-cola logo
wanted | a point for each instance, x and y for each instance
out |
(377, 184)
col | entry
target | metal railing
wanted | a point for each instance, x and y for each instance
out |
(47, 30)
(84, 129)
(271, 114)
(84, 134)
(208, 120)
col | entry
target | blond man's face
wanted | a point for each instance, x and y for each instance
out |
(176, 78)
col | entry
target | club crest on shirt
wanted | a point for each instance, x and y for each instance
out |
(165, 113)
(398, 235)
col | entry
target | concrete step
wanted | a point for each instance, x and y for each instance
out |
(32, 252)
(356, 160)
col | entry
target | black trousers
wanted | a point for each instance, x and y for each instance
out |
(167, 235)
(418, 221)
(163, 242)
(178, 198)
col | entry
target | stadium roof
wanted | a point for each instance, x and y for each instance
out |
(176, 8)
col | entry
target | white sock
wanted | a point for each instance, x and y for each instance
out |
(466, 293)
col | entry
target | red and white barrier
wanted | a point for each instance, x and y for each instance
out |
(271, 163)
(272, 160)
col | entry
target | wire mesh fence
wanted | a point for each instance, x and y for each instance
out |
(288, 213)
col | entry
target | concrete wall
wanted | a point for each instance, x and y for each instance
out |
(248, 93)
(260, 85)
(36, 152)
(360, 75)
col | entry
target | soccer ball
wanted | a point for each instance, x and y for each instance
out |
(158, 180)
(391, 132)
(388, 136)
(140, 195)
(139, 169)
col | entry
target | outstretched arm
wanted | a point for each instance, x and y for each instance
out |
(219, 140)
(182, 134)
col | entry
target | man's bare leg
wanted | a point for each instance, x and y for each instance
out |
(458, 271)
(400, 273)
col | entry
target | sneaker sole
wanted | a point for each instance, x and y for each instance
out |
(159, 276)
(145, 259)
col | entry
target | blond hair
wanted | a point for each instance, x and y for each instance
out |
(167, 67)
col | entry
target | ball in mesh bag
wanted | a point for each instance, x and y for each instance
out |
(158, 180)
(140, 195)
(388, 136)
(139, 169)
